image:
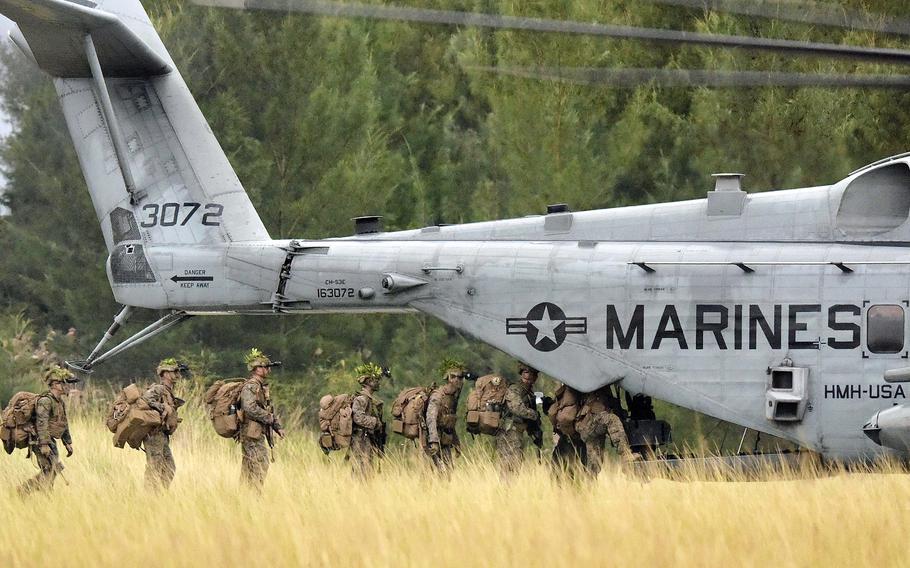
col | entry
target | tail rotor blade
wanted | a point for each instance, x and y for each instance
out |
(631, 78)
(476, 19)
(802, 11)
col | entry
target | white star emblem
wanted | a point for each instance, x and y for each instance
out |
(546, 327)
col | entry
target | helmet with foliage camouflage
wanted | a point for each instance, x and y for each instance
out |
(368, 371)
(169, 364)
(522, 367)
(58, 374)
(256, 358)
(451, 364)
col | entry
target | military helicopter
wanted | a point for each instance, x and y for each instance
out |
(782, 312)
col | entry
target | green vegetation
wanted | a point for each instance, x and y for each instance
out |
(326, 119)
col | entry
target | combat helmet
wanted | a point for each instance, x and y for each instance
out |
(451, 364)
(58, 374)
(522, 367)
(169, 364)
(256, 358)
(368, 371)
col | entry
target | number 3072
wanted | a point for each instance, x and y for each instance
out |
(174, 214)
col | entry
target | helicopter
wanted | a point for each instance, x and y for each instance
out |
(783, 312)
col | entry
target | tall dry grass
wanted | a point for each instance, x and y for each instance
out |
(313, 512)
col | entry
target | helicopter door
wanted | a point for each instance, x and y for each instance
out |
(885, 327)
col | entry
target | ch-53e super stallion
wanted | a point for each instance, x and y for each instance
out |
(784, 312)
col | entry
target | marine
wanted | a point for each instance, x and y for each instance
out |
(597, 420)
(519, 417)
(159, 461)
(369, 430)
(51, 424)
(259, 420)
(441, 416)
(569, 452)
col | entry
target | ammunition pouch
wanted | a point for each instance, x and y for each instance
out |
(253, 430)
(446, 422)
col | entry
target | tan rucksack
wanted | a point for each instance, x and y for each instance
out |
(591, 405)
(485, 405)
(17, 421)
(336, 421)
(409, 411)
(564, 410)
(222, 400)
(130, 418)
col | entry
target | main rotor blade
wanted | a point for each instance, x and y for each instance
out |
(801, 11)
(631, 78)
(475, 19)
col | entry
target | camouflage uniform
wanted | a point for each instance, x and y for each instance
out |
(368, 429)
(159, 461)
(50, 425)
(519, 415)
(596, 421)
(256, 405)
(569, 450)
(441, 419)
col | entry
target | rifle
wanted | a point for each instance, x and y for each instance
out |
(380, 437)
(536, 433)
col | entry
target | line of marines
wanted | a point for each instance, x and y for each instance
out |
(581, 424)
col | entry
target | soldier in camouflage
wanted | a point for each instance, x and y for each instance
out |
(519, 416)
(597, 419)
(368, 437)
(259, 420)
(441, 416)
(51, 424)
(159, 461)
(569, 452)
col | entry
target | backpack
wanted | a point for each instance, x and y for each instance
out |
(336, 421)
(485, 405)
(118, 410)
(409, 411)
(130, 418)
(17, 424)
(222, 400)
(564, 410)
(592, 404)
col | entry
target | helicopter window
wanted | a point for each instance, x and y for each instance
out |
(885, 329)
(876, 201)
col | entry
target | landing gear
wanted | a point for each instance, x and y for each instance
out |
(163, 324)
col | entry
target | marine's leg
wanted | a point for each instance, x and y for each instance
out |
(563, 455)
(48, 467)
(361, 457)
(443, 461)
(594, 450)
(170, 465)
(448, 460)
(618, 436)
(159, 462)
(510, 448)
(255, 463)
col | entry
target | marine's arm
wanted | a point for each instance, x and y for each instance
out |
(360, 416)
(154, 397)
(432, 416)
(252, 408)
(515, 405)
(67, 439)
(43, 409)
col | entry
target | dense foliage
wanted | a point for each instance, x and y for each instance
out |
(326, 119)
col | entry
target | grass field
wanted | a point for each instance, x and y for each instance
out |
(313, 512)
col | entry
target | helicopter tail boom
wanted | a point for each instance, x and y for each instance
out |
(155, 171)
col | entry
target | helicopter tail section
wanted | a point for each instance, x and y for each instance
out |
(156, 173)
